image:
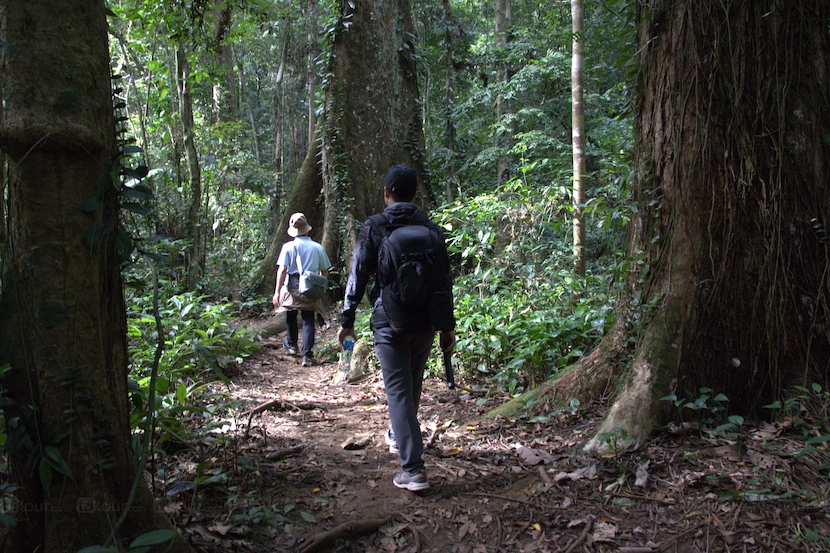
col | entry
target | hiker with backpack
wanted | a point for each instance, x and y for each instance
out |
(299, 260)
(411, 299)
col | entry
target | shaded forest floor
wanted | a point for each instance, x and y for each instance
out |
(310, 466)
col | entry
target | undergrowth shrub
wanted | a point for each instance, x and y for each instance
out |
(200, 345)
(522, 313)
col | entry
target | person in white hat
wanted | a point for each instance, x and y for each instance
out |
(304, 254)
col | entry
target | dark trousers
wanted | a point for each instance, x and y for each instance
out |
(292, 330)
(403, 358)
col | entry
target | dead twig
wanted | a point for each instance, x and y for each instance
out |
(502, 497)
(664, 501)
(416, 536)
(345, 531)
(582, 537)
(667, 543)
(285, 452)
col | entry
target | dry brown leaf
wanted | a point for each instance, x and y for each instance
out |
(642, 475)
(221, 529)
(604, 531)
(533, 456)
(760, 460)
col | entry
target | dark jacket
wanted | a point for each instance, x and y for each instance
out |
(365, 263)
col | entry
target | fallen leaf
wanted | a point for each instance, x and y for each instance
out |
(760, 460)
(450, 452)
(533, 456)
(577, 522)
(604, 531)
(221, 529)
(585, 472)
(642, 475)
(356, 442)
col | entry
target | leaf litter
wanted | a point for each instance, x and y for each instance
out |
(302, 466)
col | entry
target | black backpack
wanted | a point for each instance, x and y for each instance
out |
(414, 278)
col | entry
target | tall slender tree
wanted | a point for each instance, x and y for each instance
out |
(504, 139)
(195, 215)
(578, 133)
(62, 312)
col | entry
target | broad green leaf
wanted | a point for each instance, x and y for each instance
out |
(45, 472)
(154, 537)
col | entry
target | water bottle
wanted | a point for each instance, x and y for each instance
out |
(345, 362)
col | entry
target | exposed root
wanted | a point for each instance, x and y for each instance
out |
(346, 531)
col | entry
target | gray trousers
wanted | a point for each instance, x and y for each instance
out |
(403, 358)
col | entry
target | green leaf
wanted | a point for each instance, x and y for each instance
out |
(56, 461)
(308, 517)
(138, 172)
(181, 393)
(45, 472)
(135, 208)
(817, 440)
(773, 405)
(8, 520)
(155, 537)
(138, 192)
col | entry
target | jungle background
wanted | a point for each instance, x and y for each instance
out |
(218, 110)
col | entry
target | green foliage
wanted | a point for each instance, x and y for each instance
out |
(809, 410)
(142, 544)
(706, 408)
(200, 344)
(521, 312)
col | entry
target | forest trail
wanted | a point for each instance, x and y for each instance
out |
(309, 471)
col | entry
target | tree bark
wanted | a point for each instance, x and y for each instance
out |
(62, 312)
(504, 20)
(311, 74)
(225, 96)
(578, 118)
(249, 108)
(729, 241)
(730, 235)
(371, 121)
(195, 230)
(449, 44)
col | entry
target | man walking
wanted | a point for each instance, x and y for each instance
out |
(403, 338)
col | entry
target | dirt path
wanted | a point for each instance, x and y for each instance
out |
(314, 463)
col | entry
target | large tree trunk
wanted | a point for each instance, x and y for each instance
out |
(729, 241)
(733, 189)
(371, 121)
(62, 316)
